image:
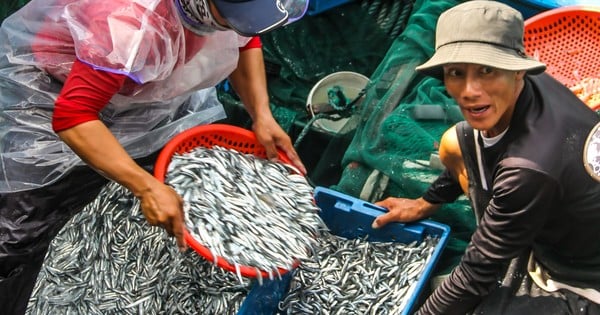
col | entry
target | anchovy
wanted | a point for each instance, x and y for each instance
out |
(247, 210)
(357, 276)
(109, 260)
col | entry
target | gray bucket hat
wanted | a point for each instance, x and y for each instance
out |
(481, 32)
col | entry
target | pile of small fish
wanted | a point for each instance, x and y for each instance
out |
(247, 210)
(358, 277)
(109, 260)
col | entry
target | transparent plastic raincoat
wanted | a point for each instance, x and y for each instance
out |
(171, 72)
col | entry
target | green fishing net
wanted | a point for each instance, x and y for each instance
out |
(403, 115)
(7, 7)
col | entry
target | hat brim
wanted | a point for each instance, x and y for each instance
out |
(252, 18)
(479, 53)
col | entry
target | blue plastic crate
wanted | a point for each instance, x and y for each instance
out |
(351, 218)
(318, 6)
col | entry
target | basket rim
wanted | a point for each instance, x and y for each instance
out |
(164, 156)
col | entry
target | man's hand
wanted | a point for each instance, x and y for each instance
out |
(250, 83)
(403, 210)
(163, 207)
(272, 137)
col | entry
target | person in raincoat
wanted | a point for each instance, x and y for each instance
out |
(519, 157)
(90, 90)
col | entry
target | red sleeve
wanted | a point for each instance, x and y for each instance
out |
(253, 43)
(85, 92)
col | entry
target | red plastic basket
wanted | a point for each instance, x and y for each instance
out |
(566, 39)
(227, 136)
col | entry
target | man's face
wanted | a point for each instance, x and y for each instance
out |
(486, 95)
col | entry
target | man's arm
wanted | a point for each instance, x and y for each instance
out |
(509, 225)
(76, 122)
(250, 83)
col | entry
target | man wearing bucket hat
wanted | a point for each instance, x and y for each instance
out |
(92, 89)
(518, 156)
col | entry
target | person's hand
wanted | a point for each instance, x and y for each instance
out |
(163, 207)
(403, 210)
(273, 137)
